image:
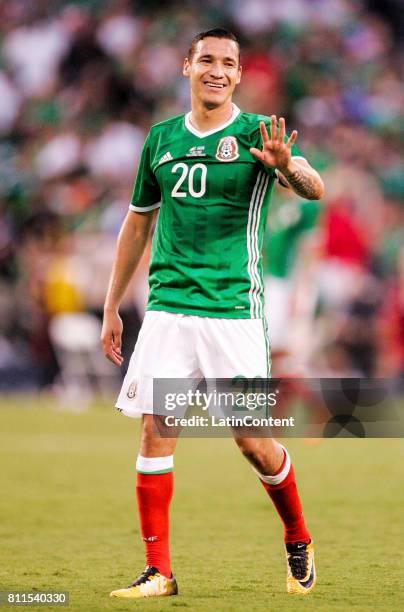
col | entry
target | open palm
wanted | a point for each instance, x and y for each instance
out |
(275, 153)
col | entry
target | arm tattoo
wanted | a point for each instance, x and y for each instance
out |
(302, 183)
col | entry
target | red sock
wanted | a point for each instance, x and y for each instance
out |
(154, 493)
(286, 501)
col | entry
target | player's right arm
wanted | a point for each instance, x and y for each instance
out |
(132, 240)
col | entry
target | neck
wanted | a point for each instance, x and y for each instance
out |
(205, 119)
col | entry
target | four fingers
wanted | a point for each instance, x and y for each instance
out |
(278, 133)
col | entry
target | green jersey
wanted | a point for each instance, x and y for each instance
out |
(213, 197)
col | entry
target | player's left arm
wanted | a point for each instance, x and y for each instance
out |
(293, 172)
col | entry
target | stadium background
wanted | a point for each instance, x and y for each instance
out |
(80, 84)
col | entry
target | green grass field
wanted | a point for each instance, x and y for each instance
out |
(68, 518)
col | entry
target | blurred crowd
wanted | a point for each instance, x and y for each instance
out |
(80, 84)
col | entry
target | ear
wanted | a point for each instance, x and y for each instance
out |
(240, 70)
(186, 67)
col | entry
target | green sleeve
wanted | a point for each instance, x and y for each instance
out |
(146, 193)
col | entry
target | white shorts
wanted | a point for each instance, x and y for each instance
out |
(185, 346)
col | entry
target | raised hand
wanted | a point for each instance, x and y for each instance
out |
(275, 153)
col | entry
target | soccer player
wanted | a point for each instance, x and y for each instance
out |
(211, 173)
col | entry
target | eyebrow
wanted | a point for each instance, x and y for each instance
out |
(210, 56)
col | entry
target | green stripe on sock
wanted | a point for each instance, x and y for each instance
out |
(158, 472)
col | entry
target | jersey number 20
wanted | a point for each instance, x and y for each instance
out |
(190, 173)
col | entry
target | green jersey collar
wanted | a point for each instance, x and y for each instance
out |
(195, 132)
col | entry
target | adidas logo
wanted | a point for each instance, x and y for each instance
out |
(166, 157)
(198, 151)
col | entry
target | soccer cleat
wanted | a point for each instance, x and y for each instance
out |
(149, 584)
(301, 576)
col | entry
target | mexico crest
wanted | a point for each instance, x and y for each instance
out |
(227, 149)
(131, 390)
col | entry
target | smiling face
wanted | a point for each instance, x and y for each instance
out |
(213, 70)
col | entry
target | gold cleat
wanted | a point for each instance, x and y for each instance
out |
(149, 584)
(301, 576)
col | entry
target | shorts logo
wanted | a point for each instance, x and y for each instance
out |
(227, 149)
(131, 393)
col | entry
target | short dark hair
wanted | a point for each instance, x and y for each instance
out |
(214, 33)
